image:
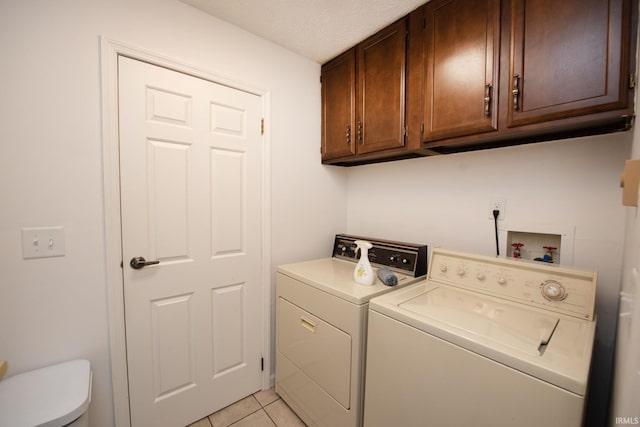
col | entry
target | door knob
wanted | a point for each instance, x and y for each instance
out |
(139, 262)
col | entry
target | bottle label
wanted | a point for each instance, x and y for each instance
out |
(361, 272)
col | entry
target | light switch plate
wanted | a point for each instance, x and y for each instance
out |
(42, 242)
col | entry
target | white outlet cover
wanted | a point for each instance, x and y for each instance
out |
(501, 205)
(42, 242)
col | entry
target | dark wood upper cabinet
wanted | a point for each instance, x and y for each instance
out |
(567, 58)
(363, 99)
(565, 70)
(460, 75)
(381, 90)
(462, 58)
(339, 106)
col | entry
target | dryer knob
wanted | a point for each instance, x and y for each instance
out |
(443, 267)
(502, 281)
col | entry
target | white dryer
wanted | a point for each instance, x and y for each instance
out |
(484, 341)
(321, 328)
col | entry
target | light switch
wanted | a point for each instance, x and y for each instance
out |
(42, 242)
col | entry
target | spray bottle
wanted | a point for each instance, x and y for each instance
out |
(363, 273)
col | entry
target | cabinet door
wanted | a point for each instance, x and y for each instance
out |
(381, 84)
(461, 67)
(338, 106)
(567, 58)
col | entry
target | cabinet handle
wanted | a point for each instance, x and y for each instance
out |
(348, 134)
(487, 99)
(360, 132)
(516, 91)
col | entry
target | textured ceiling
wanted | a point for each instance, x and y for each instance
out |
(316, 29)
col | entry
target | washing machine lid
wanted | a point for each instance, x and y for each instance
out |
(552, 347)
(509, 325)
(335, 276)
(52, 396)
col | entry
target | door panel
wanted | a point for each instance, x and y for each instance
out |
(227, 328)
(173, 346)
(168, 213)
(381, 90)
(167, 107)
(190, 164)
(462, 58)
(339, 106)
(567, 59)
(228, 204)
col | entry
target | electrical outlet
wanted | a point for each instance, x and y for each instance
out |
(499, 204)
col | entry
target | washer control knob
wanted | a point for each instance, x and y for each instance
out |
(443, 267)
(480, 276)
(502, 280)
(460, 271)
(405, 261)
(553, 290)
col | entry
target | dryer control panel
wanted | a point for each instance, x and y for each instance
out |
(406, 258)
(552, 287)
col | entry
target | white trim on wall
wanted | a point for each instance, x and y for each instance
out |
(110, 50)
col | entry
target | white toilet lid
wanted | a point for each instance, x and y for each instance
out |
(52, 396)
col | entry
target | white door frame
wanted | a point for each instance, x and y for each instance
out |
(110, 50)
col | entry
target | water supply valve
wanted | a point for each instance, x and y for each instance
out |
(548, 256)
(516, 249)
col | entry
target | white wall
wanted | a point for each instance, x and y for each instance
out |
(51, 162)
(564, 185)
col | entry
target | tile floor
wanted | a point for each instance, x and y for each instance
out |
(261, 409)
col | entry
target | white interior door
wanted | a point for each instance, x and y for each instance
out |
(190, 159)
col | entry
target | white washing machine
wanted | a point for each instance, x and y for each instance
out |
(483, 341)
(321, 328)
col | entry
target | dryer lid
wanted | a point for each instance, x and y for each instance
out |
(519, 328)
